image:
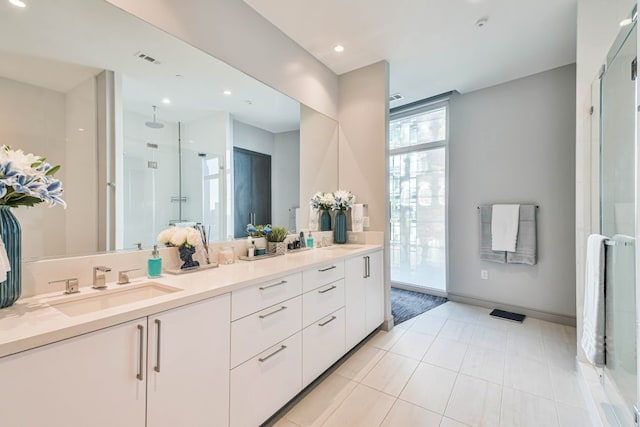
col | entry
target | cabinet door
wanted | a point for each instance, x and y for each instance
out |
(91, 380)
(374, 288)
(355, 303)
(188, 381)
(263, 384)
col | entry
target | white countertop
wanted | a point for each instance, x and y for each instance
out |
(32, 322)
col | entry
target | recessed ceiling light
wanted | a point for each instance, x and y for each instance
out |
(166, 101)
(18, 3)
(227, 92)
(626, 22)
(338, 48)
(482, 22)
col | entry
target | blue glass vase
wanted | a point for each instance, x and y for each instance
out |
(325, 220)
(11, 288)
(340, 228)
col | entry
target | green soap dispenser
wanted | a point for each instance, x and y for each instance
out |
(154, 264)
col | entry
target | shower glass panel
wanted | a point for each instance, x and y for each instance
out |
(617, 217)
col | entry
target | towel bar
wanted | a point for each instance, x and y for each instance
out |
(617, 243)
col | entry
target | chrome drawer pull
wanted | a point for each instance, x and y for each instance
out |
(264, 359)
(140, 375)
(328, 321)
(322, 270)
(262, 288)
(327, 290)
(262, 316)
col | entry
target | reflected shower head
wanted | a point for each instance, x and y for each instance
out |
(154, 124)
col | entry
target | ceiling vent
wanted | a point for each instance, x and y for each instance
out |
(395, 97)
(144, 56)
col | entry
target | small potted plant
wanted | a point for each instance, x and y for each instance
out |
(276, 240)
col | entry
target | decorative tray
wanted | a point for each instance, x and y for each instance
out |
(192, 269)
(257, 257)
(293, 251)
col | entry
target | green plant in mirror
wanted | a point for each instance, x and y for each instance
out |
(278, 234)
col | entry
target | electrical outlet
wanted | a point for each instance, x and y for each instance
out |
(353, 238)
(484, 274)
(365, 222)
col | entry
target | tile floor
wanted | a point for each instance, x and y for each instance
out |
(452, 366)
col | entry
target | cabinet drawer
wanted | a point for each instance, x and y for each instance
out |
(323, 344)
(322, 275)
(322, 301)
(262, 385)
(249, 300)
(259, 331)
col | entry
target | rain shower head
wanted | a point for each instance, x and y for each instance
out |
(154, 124)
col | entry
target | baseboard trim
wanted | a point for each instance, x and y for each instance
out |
(538, 314)
(420, 289)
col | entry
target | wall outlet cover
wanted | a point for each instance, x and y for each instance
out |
(484, 274)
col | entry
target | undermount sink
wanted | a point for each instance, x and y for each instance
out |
(112, 298)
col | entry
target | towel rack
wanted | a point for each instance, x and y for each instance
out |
(537, 207)
(617, 243)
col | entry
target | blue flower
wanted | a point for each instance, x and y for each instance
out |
(251, 228)
(266, 229)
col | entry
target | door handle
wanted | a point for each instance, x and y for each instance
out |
(282, 282)
(264, 316)
(324, 291)
(264, 359)
(158, 326)
(322, 270)
(140, 374)
(328, 321)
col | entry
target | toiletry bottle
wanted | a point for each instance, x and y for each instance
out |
(154, 264)
(310, 240)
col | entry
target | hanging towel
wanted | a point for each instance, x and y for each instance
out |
(504, 227)
(296, 220)
(486, 254)
(357, 217)
(594, 305)
(526, 245)
(5, 266)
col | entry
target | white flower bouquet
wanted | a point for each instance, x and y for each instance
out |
(27, 179)
(180, 236)
(322, 201)
(342, 200)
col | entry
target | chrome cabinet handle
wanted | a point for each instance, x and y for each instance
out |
(328, 321)
(322, 270)
(282, 282)
(140, 375)
(158, 326)
(328, 289)
(263, 316)
(364, 261)
(264, 359)
(368, 266)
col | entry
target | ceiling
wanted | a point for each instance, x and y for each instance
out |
(63, 42)
(433, 46)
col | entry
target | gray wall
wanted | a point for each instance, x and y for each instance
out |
(514, 143)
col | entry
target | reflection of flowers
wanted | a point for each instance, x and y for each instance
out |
(342, 200)
(322, 201)
(258, 230)
(26, 180)
(180, 236)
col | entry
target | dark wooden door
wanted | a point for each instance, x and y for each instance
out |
(252, 189)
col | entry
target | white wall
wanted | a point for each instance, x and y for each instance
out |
(514, 143)
(258, 48)
(285, 192)
(33, 119)
(80, 165)
(598, 26)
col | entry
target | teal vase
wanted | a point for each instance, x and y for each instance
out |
(325, 220)
(11, 288)
(340, 228)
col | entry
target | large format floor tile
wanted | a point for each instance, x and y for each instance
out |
(405, 414)
(364, 407)
(412, 344)
(391, 373)
(521, 409)
(446, 353)
(429, 387)
(475, 402)
(484, 363)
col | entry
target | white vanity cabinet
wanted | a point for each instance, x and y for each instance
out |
(188, 365)
(97, 380)
(364, 296)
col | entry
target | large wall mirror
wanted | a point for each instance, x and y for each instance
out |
(149, 131)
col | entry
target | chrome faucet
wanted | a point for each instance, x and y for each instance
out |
(123, 276)
(71, 285)
(99, 280)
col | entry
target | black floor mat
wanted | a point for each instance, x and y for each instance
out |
(408, 304)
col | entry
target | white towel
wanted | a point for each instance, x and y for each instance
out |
(5, 266)
(357, 217)
(594, 305)
(296, 220)
(504, 227)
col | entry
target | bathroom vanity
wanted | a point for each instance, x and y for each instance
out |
(227, 346)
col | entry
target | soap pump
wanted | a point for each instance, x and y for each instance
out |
(154, 264)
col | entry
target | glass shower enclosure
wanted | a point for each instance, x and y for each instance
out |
(618, 106)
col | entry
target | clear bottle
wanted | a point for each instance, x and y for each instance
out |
(154, 264)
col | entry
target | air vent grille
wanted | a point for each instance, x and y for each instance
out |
(145, 57)
(395, 97)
